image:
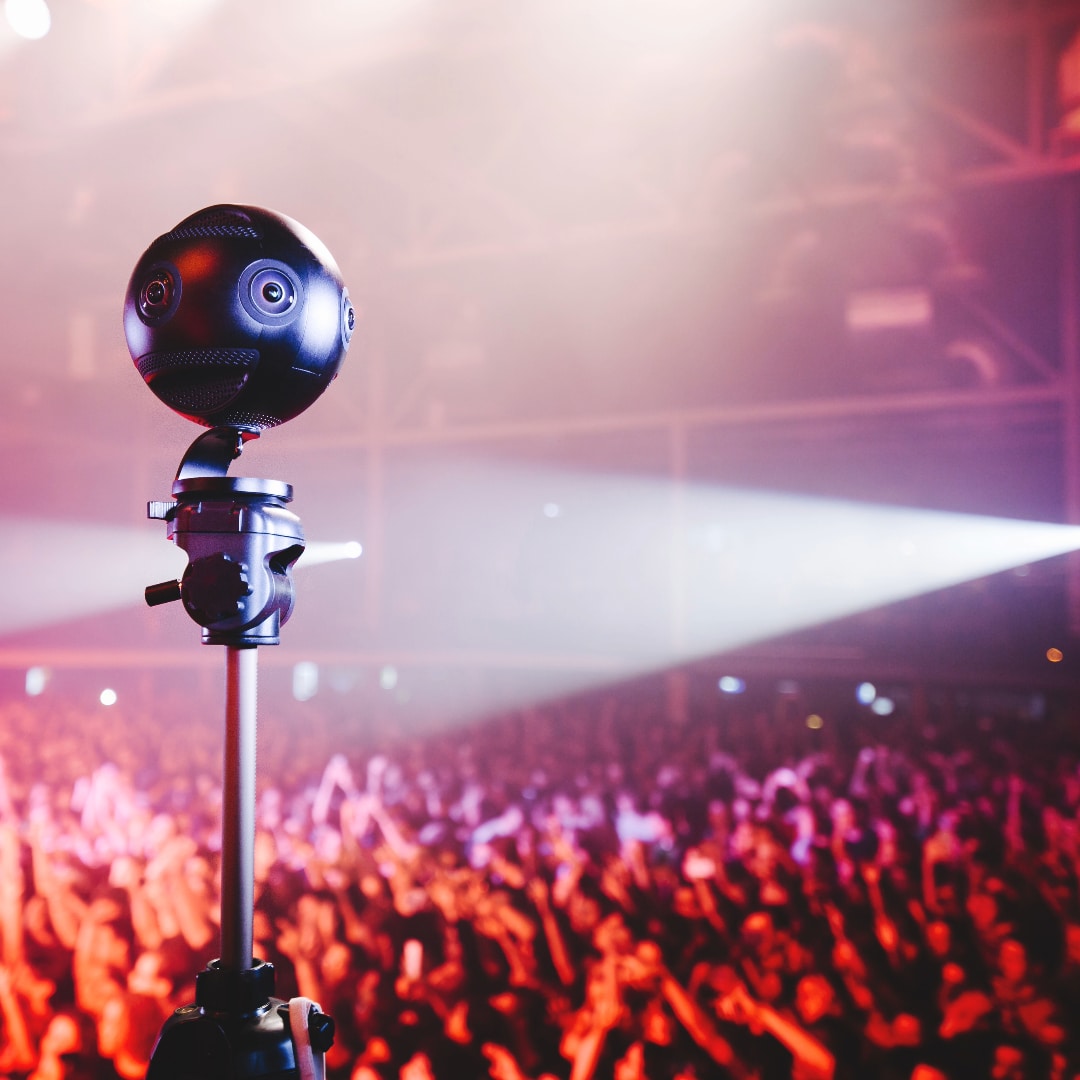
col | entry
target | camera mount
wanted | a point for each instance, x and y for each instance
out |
(240, 540)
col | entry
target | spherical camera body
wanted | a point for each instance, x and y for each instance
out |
(238, 318)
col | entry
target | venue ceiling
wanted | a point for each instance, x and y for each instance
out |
(826, 249)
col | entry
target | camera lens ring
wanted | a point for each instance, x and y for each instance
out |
(271, 292)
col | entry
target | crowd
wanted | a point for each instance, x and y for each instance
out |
(589, 889)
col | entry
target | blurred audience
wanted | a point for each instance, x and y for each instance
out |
(590, 889)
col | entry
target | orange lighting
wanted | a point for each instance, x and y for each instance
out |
(197, 263)
(814, 722)
(1055, 656)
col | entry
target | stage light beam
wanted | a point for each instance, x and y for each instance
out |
(640, 574)
(635, 576)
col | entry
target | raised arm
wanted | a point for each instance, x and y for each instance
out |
(584, 1040)
(537, 891)
(18, 1054)
(646, 967)
(813, 1057)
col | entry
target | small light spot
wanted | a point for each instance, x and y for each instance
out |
(552, 510)
(305, 680)
(814, 722)
(865, 693)
(36, 680)
(1055, 656)
(730, 684)
(388, 677)
(107, 697)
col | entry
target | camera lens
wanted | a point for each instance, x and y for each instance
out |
(156, 294)
(273, 293)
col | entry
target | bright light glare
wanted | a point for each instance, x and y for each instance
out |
(323, 551)
(107, 697)
(883, 706)
(865, 693)
(29, 19)
(730, 684)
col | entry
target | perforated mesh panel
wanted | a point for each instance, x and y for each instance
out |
(218, 223)
(202, 395)
(241, 418)
(154, 363)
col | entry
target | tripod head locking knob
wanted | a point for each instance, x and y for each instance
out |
(320, 1026)
(163, 593)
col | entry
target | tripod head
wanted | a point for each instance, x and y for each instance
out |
(237, 319)
(241, 544)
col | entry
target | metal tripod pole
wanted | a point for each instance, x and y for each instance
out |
(238, 824)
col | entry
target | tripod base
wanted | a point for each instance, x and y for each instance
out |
(236, 1029)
